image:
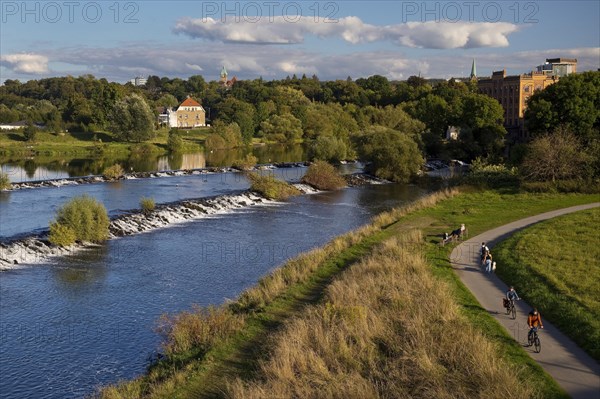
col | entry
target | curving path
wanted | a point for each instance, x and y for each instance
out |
(575, 371)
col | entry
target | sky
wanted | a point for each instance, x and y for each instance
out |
(119, 40)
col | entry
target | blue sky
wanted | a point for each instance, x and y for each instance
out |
(119, 40)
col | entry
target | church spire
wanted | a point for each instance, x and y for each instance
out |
(473, 70)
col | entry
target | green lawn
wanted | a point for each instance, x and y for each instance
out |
(88, 143)
(555, 266)
(481, 211)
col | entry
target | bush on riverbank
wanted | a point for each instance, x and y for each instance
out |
(84, 217)
(246, 163)
(147, 204)
(323, 176)
(4, 181)
(399, 334)
(270, 187)
(174, 142)
(113, 172)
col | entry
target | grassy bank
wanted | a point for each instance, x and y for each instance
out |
(86, 143)
(554, 266)
(209, 350)
(386, 328)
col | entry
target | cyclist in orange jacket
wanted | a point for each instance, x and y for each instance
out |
(534, 320)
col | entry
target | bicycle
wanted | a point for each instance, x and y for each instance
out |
(512, 309)
(534, 340)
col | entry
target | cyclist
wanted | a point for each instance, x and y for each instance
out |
(534, 320)
(511, 296)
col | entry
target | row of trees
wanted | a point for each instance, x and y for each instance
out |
(279, 110)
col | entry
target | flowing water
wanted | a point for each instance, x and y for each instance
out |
(87, 319)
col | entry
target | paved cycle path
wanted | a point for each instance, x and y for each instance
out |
(575, 371)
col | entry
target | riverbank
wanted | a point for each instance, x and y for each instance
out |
(237, 336)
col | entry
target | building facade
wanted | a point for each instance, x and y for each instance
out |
(513, 92)
(139, 81)
(189, 114)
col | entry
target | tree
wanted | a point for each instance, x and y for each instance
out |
(328, 148)
(390, 154)
(167, 100)
(238, 111)
(554, 156)
(174, 142)
(574, 101)
(284, 129)
(224, 136)
(30, 132)
(132, 119)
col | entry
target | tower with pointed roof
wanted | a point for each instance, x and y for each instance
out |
(223, 78)
(473, 71)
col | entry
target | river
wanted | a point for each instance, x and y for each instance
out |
(88, 319)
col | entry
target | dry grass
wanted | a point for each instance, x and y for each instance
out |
(387, 328)
(199, 329)
(299, 268)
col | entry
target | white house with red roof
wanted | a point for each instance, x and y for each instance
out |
(188, 115)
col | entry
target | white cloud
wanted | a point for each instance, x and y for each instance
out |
(283, 30)
(25, 63)
(249, 62)
(193, 67)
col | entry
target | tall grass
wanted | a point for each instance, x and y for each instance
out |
(387, 328)
(181, 332)
(147, 204)
(301, 267)
(198, 330)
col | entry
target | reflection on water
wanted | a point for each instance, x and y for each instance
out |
(58, 167)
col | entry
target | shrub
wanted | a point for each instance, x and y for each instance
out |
(61, 234)
(245, 163)
(174, 142)
(143, 149)
(562, 186)
(30, 132)
(270, 187)
(323, 176)
(4, 181)
(113, 172)
(85, 216)
(487, 175)
(147, 204)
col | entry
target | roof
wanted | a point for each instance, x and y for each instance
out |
(190, 103)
